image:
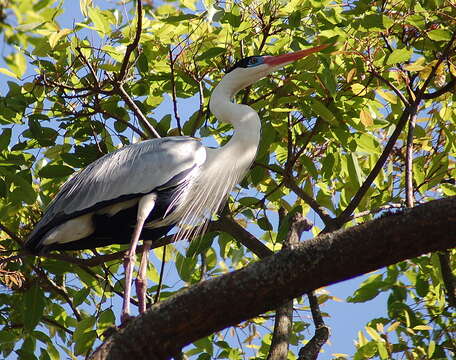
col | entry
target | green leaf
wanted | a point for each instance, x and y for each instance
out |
(439, 35)
(53, 171)
(431, 348)
(321, 110)
(211, 53)
(368, 290)
(105, 321)
(354, 170)
(399, 56)
(143, 64)
(84, 342)
(179, 18)
(33, 303)
(382, 350)
(99, 20)
(7, 72)
(5, 138)
(185, 266)
(23, 187)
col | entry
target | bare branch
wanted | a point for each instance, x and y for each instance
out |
(12, 235)
(173, 92)
(346, 214)
(230, 226)
(284, 314)
(392, 87)
(131, 104)
(321, 211)
(448, 278)
(266, 284)
(409, 199)
(446, 88)
(59, 290)
(132, 46)
(312, 349)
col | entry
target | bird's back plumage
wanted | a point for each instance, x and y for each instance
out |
(158, 165)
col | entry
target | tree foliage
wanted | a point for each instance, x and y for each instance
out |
(346, 135)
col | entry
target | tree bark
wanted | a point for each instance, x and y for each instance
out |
(265, 285)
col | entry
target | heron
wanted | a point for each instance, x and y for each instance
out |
(143, 190)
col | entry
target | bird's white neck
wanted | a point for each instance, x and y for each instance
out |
(243, 145)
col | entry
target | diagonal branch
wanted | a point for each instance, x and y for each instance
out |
(132, 46)
(131, 104)
(231, 227)
(212, 305)
(321, 211)
(446, 88)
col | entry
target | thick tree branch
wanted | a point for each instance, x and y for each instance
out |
(227, 300)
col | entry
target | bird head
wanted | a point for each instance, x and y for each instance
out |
(253, 68)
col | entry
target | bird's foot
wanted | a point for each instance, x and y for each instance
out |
(125, 318)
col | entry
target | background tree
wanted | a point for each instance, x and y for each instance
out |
(345, 137)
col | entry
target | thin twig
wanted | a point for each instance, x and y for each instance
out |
(446, 88)
(408, 111)
(392, 87)
(201, 108)
(132, 105)
(132, 46)
(59, 290)
(98, 109)
(321, 211)
(231, 227)
(12, 235)
(52, 322)
(162, 271)
(101, 259)
(311, 350)
(448, 278)
(409, 199)
(173, 93)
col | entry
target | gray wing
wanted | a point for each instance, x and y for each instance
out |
(135, 169)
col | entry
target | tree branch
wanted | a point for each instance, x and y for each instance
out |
(311, 350)
(321, 211)
(284, 314)
(173, 93)
(231, 227)
(409, 162)
(131, 104)
(132, 46)
(448, 87)
(448, 278)
(229, 299)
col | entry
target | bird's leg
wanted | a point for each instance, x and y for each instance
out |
(145, 206)
(141, 280)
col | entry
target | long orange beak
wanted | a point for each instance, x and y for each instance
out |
(290, 57)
